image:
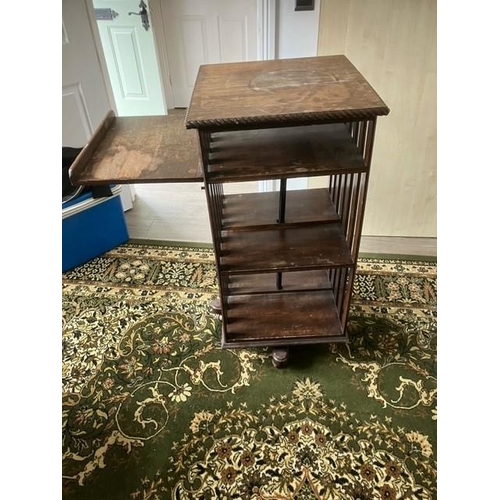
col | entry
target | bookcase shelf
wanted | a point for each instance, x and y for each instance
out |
(250, 211)
(283, 152)
(284, 249)
(277, 319)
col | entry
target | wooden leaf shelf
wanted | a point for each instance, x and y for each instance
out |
(139, 149)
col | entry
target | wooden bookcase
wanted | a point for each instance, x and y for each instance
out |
(285, 260)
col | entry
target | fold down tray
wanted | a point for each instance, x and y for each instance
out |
(139, 149)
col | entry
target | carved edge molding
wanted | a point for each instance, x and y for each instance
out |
(286, 119)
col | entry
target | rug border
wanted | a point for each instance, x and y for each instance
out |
(367, 255)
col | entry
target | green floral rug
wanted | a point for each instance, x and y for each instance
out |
(154, 409)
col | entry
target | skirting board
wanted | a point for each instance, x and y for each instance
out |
(399, 245)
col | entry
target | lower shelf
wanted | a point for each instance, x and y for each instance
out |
(303, 281)
(282, 319)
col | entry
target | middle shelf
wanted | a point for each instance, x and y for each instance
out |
(250, 211)
(291, 248)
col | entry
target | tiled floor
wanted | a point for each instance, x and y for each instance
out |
(174, 212)
(178, 212)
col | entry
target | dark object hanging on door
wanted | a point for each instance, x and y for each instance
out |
(105, 14)
(143, 12)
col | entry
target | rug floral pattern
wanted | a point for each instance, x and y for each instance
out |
(153, 408)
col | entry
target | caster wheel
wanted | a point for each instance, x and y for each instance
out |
(280, 357)
(216, 307)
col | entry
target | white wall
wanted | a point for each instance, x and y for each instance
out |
(393, 43)
(297, 32)
(296, 36)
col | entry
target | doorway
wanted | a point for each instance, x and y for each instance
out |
(154, 69)
(128, 44)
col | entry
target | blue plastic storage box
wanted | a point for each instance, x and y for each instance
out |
(91, 227)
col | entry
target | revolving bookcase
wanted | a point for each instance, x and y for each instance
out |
(285, 260)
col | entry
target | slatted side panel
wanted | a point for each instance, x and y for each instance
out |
(215, 202)
(348, 194)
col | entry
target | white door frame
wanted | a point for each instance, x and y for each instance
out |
(266, 36)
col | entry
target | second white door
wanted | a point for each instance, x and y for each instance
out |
(206, 32)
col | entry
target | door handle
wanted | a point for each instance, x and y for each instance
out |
(143, 12)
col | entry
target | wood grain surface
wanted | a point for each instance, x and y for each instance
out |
(140, 149)
(281, 92)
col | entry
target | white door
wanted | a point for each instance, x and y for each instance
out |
(206, 32)
(129, 49)
(85, 99)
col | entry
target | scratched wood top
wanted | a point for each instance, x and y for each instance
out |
(139, 149)
(281, 92)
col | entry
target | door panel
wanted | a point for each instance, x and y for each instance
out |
(130, 74)
(77, 127)
(233, 39)
(202, 32)
(193, 48)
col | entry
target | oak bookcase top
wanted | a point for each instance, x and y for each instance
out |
(281, 92)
